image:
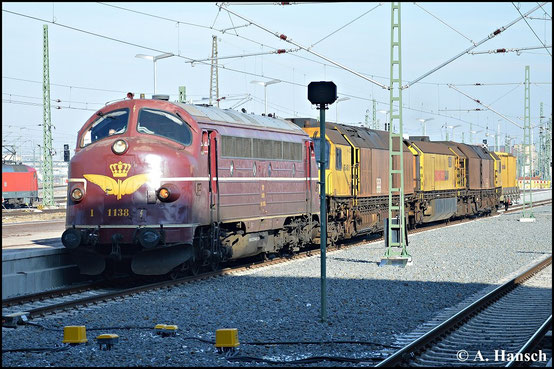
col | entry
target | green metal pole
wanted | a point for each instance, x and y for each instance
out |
(542, 154)
(527, 146)
(395, 96)
(323, 212)
(548, 149)
(47, 170)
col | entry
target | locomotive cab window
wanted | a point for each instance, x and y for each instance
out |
(161, 123)
(108, 124)
(338, 159)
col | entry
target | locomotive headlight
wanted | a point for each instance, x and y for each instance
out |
(163, 193)
(77, 194)
(119, 147)
(168, 192)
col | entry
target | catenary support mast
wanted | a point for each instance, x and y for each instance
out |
(47, 171)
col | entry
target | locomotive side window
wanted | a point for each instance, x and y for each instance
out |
(255, 148)
(338, 159)
(112, 123)
(161, 123)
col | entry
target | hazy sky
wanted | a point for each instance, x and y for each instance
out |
(93, 48)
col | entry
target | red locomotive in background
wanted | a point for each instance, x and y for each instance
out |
(19, 185)
(170, 187)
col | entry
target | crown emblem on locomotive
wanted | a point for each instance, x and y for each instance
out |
(120, 169)
(118, 187)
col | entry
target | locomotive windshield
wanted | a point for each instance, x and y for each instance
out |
(161, 123)
(112, 123)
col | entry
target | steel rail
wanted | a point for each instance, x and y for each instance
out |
(533, 341)
(412, 349)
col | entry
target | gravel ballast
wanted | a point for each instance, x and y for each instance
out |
(365, 302)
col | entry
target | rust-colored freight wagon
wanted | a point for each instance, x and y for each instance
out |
(487, 166)
(372, 160)
(474, 169)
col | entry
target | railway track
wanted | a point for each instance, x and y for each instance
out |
(507, 322)
(48, 302)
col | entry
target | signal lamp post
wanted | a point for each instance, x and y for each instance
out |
(154, 59)
(322, 94)
(265, 84)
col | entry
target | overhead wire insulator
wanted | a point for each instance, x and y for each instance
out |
(500, 50)
(281, 51)
(283, 37)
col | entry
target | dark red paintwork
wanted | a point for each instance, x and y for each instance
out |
(207, 192)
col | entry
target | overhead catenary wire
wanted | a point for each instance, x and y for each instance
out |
(57, 84)
(142, 46)
(287, 39)
(504, 50)
(522, 16)
(446, 24)
(347, 24)
(490, 36)
(274, 48)
(488, 107)
(223, 67)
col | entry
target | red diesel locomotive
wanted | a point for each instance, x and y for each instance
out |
(167, 187)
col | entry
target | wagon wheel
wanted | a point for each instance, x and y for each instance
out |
(194, 268)
(263, 257)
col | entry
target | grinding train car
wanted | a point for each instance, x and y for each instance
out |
(357, 176)
(164, 187)
(19, 185)
(510, 190)
(442, 180)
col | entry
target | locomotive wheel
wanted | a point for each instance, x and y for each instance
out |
(215, 265)
(174, 274)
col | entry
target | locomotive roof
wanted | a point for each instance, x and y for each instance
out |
(11, 168)
(207, 114)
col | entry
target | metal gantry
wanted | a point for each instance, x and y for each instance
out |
(214, 83)
(47, 170)
(527, 213)
(396, 225)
